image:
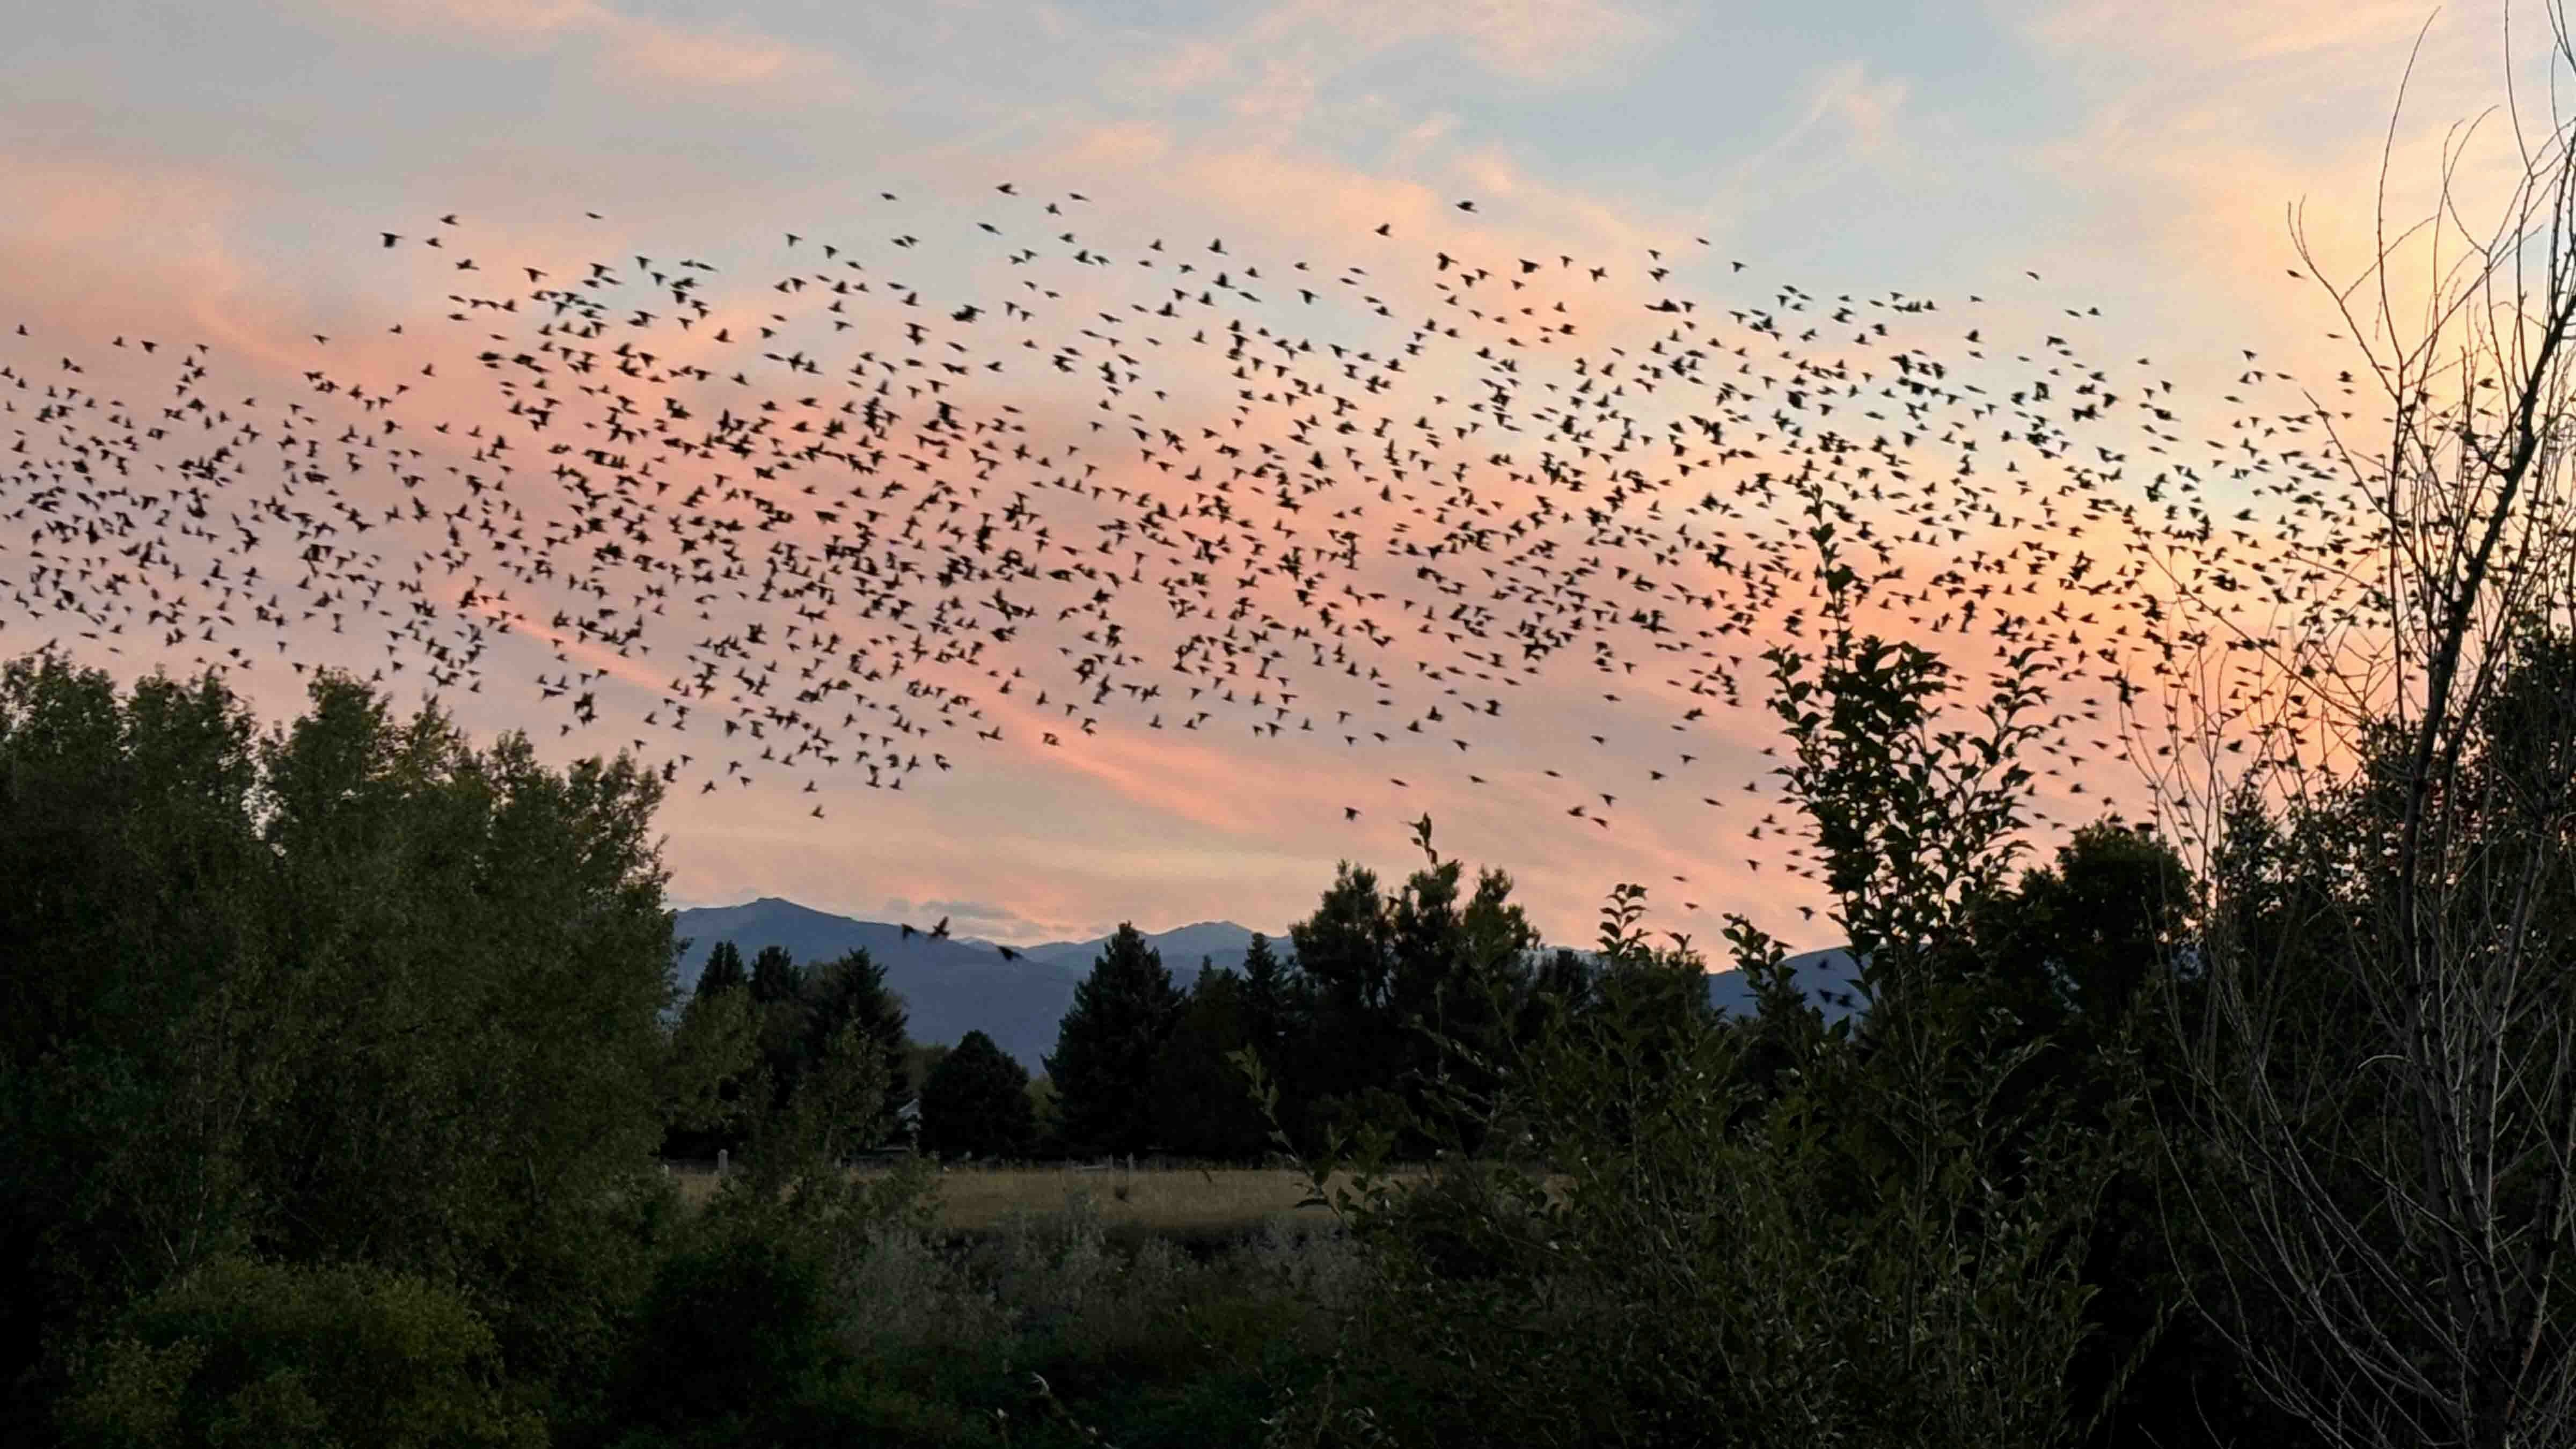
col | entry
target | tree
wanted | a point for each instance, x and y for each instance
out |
(1202, 1105)
(852, 991)
(1887, 1249)
(1459, 973)
(2381, 1129)
(712, 1078)
(351, 991)
(1269, 1004)
(975, 1102)
(723, 970)
(1383, 977)
(774, 977)
(1346, 963)
(1108, 1044)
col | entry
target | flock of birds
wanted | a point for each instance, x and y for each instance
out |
(897, 498)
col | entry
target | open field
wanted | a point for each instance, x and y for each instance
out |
(1178, 1202)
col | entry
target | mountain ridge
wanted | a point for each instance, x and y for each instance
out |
(951, 987)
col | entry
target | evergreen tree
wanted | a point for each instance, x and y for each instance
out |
(1386, 976)
(853, 990)
(774, 977)
(787, 1046)
(1203, 1106)
(1346, 959)
(1268, 999)
(975, 1102)
(711, 1076)
(723, 971)
(1277, 1007)
(1108, 1046)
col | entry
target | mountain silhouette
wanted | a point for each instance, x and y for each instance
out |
(951, 987)
(956, 986)
(1830, 978)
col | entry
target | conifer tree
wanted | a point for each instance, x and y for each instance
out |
(852, 989)
(723, 971)
(975, 1102)
(1109, 1044)
(1203, 1106)
(774, 977)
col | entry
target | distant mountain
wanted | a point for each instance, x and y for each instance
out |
(949, 987)
(953, 987)
(1182, 947)
(1830, 978)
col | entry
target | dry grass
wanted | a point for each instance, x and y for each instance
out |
(1174, 1202)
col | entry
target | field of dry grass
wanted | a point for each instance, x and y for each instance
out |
(1184, 1202)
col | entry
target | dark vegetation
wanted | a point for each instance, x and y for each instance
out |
(337, 1071)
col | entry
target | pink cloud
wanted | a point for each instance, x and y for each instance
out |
(627, 47)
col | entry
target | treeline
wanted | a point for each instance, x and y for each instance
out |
(1345, 1021)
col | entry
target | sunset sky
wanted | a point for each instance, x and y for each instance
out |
(221, 171)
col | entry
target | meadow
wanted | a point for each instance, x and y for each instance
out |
(1188, 1204)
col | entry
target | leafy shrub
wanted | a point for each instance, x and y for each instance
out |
(738, 1322)
(245, 1352)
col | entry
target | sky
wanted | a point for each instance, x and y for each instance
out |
(221, 171)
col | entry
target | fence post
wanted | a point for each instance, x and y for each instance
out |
(723, 1160)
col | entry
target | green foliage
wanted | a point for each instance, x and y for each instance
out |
(238, 1352)
(852, 991)
(1380, 981)
(975, 1102)
(1109, 1045)
(352, 991)
(739, 1328)
(774, 976)
(723, 970)
(712, 1076)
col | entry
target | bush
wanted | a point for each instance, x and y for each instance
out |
(738, 1323)
(245, 1352)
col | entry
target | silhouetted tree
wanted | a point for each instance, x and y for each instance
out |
(723, 970)
(774, 977)
(975, 1102)
(1345, 956)
(1108, 1045)
(1203, 1106)
(852, 990)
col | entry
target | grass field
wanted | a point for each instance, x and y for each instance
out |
(1186, 1202)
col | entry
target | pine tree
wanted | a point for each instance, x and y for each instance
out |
(1266, 998)
(1108, 1046)
(723, 971)
(710, 1076)
(853, 989)
(774, 977)
(975, 1102)
(1346, 956)
(1203, 1106)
